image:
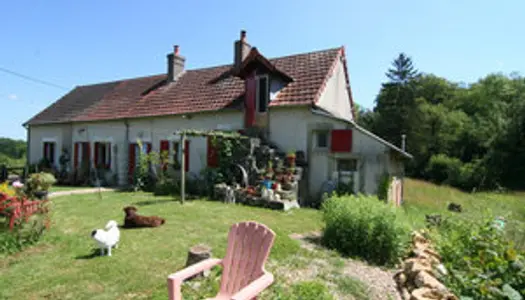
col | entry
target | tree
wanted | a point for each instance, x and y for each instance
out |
(402, 69)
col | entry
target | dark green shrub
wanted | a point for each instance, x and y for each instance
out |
(383, 186)
(482, 262)
(365, 227)
(443, 169)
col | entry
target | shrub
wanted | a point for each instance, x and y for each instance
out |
(443, 169)
(365, 227)
(383, 186)
(482, 262)
(26, 231)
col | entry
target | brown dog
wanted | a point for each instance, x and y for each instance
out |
(132, 220)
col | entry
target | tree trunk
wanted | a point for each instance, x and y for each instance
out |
(196, 254)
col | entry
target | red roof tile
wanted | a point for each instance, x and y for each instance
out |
(197, 90)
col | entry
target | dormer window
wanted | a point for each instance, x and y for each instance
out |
(263, 93)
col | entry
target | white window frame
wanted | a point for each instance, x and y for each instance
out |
(316, 139)
(257, 80)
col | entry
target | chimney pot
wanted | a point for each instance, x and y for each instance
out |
(176, 49)
(243, 35)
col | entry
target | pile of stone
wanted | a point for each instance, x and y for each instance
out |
(418, 278)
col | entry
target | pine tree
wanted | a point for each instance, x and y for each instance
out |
(402, 69)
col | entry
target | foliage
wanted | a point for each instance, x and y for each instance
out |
(12, 152)
(24, 234)
(39, 182)
(383, 186)
(365, 227)
(476, 129)
(143, 176)
(7, 190)
(482, 263)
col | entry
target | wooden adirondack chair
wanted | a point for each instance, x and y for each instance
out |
(243, 274)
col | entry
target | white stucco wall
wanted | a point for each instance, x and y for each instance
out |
(335, 98)
(155, 130)
(292, 129)
(44, 133)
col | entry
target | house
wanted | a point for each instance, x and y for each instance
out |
(301, 102)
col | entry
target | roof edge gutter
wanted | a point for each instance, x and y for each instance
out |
(320, 111)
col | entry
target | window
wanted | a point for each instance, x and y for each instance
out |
(346, 169)
(321, 139)
(103, 155)
(263, 92)
(49, 152)
(347, 165)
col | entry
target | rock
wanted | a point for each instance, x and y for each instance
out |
(424, 279)
(418, 238)
(423, 294)
(400, 278)
(442, 270)
(405, 294)
(414, 266)
(455, 207)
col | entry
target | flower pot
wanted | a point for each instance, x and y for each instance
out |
(41, 194)
(291, 160)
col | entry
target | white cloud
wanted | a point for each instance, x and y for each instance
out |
(12, 97)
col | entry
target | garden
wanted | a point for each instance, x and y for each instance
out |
(441, 243)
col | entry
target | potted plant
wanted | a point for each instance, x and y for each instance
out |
(38, 184)
(291, 158)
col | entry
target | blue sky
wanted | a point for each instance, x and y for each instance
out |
(69, 43)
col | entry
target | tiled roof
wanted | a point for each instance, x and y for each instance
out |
(196, 90)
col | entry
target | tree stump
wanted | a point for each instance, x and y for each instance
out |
(196, 254)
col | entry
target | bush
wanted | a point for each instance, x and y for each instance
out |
(25, 232)
(383, 186)
(365, 227)
(482, 262)
(443, 169)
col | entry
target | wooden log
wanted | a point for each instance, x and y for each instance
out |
(196, 254)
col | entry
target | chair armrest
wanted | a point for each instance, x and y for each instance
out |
(175, 280)
(254, 288)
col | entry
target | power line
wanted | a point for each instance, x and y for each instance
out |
(32, 79)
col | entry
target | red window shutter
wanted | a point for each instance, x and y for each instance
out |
(75, 156)
(212, 153)
(131, 162)
(97, 146)
(341, 140)
(108, 158)
(187, 157)
(87, 151)
(164, 146)
(249, 100)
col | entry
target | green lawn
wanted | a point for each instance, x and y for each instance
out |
(61, 265)
(425, 198)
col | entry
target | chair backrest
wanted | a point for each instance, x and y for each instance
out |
(249, 245)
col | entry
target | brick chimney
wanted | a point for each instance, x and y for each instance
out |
(241, 49)
(175, 64)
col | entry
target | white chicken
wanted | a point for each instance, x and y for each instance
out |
(107, 238)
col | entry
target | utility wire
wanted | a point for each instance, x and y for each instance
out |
(32, 79)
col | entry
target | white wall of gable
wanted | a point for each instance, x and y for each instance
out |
(335, 97)
(42, 133)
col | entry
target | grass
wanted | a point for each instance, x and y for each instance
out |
(425, 198)
(65, 265)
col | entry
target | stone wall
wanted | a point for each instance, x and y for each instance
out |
(418, 278)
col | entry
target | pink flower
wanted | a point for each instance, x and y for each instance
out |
(18, 185)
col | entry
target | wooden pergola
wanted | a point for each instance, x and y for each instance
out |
(198, 133)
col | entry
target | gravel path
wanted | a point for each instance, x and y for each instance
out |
(380, 281)
(80, 191)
